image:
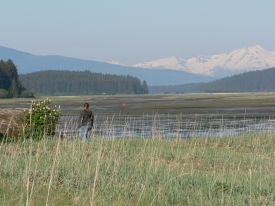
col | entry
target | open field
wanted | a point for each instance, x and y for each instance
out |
(137, 171)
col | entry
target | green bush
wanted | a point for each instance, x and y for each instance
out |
(4, 93)
(25, 94)
(41, 119)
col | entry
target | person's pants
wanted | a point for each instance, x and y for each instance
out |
(86, 132)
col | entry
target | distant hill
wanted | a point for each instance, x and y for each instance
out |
(27, 63)
(253, 81)
(64, 82)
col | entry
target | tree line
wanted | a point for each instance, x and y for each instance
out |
(64, 82)
(253, 81)
(10, 85)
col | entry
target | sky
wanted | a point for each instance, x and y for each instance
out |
(136, 31)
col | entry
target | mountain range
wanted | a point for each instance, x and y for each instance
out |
(219, 65)
(27, 63)
(167, 71)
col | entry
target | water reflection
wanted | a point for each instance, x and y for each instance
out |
(167, 126)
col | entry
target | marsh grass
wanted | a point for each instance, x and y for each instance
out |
(138, 171)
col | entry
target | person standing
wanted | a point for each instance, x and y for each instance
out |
(85, 122)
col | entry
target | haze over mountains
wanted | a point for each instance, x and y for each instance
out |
(168, 71)
(27, 63)
(220, 65)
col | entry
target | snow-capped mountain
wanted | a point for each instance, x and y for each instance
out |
(115, 63)
(246, 59)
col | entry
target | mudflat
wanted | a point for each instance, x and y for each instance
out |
(231, 104)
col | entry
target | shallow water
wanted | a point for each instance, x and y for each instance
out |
(168, 126)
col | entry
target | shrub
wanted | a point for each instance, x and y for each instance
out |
(25, 94)
(41, 120)
(4, 93)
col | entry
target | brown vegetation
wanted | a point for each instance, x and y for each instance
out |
(11, 122)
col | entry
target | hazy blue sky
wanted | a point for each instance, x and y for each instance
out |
(135, 31)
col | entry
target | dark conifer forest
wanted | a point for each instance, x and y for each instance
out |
(10, 86)
(253, 81)
(64, 82)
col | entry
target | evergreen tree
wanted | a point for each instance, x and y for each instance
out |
(14, 89)
(9, 80)
(144, 87)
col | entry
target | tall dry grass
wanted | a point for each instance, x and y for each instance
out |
(11, 122)
(138, 171)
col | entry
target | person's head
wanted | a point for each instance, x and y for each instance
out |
(86, 106)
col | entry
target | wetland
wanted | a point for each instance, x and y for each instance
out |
(169, 115)
(148, 171)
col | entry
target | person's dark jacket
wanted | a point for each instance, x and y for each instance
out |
(85, 118)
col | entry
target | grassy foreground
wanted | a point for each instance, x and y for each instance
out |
(195, 171)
